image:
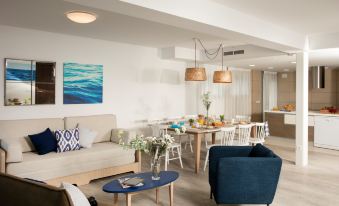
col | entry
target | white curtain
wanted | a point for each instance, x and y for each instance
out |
(228, 99)
(270, 85)
(238, 94)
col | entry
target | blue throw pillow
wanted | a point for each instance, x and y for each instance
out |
(261, 151)
(44, 142)
(67, 140)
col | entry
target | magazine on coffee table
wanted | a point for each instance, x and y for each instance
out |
(131, 182)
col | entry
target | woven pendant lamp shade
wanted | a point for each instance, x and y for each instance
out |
(222, 77)
(195, 74)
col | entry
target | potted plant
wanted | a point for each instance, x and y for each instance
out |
(222, 118)
(191, 121)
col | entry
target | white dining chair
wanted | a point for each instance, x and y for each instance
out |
(174, 146)
(159, 130)
(244, 133)
(226, 139)
(259, 134)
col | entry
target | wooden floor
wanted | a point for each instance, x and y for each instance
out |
(316, 184)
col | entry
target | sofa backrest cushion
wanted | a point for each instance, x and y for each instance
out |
(102, 124)
(16, 191)
(261, 151)
(20, 129)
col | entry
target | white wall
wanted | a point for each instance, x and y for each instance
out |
(138, 84)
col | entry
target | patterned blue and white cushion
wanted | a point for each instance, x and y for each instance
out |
(68, 140)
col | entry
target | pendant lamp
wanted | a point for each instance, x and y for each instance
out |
(195, 73)
(222, 76)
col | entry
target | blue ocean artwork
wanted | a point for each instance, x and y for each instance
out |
(20, 70)
(83, 83)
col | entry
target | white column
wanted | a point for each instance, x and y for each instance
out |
(301, 130)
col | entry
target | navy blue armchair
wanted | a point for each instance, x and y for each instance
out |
(238, 175)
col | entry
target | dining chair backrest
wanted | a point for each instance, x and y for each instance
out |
(244, 134)
(260, 130)
(228, 135)
(240, 118)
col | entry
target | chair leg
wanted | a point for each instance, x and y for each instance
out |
(166, 160)
(206, 160)
(179, 155)
(211, 195)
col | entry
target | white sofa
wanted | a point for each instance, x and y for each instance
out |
(105, 158)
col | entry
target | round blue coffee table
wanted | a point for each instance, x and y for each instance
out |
(167, 178)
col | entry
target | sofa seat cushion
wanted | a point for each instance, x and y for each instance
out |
(53, 165)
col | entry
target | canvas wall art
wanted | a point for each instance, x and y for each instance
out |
(83, 83)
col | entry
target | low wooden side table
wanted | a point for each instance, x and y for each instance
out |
(167, 178)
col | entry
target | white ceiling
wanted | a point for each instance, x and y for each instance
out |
(118, 27)
(109, 26)
(303, 16)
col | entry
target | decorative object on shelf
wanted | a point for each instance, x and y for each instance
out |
(81, 17)
(155, 146)
(222, 76)
(83, 83)
(29, 82)
(195, 74)
(206, 100)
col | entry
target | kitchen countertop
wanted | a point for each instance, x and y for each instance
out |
(310, 113)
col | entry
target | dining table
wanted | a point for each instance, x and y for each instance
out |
(198, 134)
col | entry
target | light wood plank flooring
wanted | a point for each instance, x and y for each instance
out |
(316, 184)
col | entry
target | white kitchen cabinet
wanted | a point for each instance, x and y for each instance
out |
(326, 132)
(291, 118)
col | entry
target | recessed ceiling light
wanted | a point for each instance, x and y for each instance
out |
(252, 65)
(286, 70)
(293, 62)
(270, 67)
(82, 17)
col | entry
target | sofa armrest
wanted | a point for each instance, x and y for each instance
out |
(254, 180)
(120, 135)
(2, 160)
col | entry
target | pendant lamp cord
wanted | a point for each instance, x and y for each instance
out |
(195, 53)
(209, 54)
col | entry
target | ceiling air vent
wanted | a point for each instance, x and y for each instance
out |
(236, 52)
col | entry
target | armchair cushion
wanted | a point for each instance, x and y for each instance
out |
(260, 151)
(13, 150)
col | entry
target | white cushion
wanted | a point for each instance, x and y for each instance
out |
(53, 165)
(77, 197)
(13, 150)
(86, 136)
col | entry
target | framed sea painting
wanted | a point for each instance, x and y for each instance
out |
(29, 82)
(83, 83)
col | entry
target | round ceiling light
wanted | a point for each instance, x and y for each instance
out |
(81, 17)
